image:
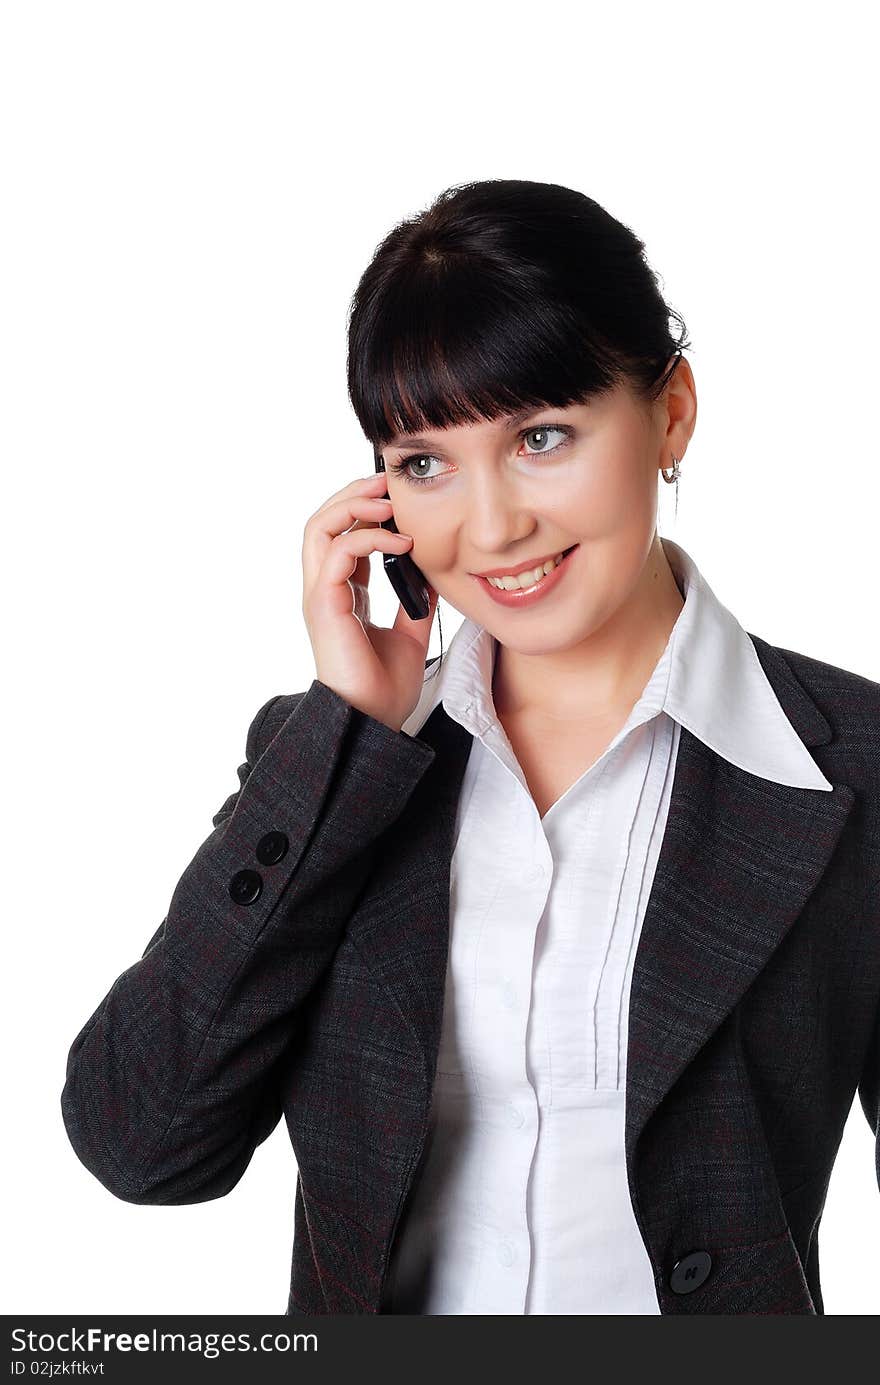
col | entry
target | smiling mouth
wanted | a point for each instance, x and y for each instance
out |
(527, 575)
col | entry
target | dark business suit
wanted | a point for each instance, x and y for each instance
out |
(301, 966)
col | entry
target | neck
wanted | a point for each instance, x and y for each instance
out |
(606, 672)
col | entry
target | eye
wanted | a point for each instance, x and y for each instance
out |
(402, 468)
(542, 432)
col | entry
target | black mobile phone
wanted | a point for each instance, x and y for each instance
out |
(406, 579)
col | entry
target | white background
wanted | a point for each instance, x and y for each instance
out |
(191, 191)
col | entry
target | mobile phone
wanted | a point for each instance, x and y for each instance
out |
(406, 579)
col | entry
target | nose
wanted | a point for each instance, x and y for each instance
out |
(496, 519)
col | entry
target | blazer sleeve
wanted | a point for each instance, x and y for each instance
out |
(170, 1084)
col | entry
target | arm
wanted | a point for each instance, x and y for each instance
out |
(169, 1085)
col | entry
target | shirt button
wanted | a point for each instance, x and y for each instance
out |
(508, 994)
(536, 873)
(505, 1253)
(515, 1114)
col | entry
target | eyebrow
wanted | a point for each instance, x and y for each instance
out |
(509, 420)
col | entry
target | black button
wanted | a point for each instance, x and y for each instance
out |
(272, 847)
(246, 886)
(690, 1272)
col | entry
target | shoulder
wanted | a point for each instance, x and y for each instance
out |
(841, 694)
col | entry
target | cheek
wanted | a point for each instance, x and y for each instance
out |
(613, 497)
(434, 552)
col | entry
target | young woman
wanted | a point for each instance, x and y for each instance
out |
(560, 957)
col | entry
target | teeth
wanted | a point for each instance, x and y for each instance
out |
(525, 579)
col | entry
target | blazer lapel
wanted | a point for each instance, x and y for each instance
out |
(740, 857)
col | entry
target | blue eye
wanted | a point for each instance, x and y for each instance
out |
(401, 468)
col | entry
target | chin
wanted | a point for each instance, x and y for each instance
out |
(541, 642)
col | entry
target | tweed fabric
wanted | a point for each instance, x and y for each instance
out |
(753, 1018)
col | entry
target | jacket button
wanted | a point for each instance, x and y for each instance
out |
(690, 1272)
(246, 886)
(271, 848)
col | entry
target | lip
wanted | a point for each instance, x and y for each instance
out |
(521, 567)
(528, 595)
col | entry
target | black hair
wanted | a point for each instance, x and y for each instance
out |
(504, 294)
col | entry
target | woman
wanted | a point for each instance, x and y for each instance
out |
(560, 958)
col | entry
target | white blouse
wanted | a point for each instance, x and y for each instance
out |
(522, 1203)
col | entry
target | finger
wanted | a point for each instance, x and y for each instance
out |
(345, 552)
(346, 516)
(362, 485)
(335, 519)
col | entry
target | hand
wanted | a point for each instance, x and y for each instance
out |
(378, 671)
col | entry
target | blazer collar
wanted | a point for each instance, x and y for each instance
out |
(709, 679)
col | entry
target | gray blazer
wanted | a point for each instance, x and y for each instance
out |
(300, 972)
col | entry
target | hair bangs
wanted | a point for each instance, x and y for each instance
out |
(465, 356)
